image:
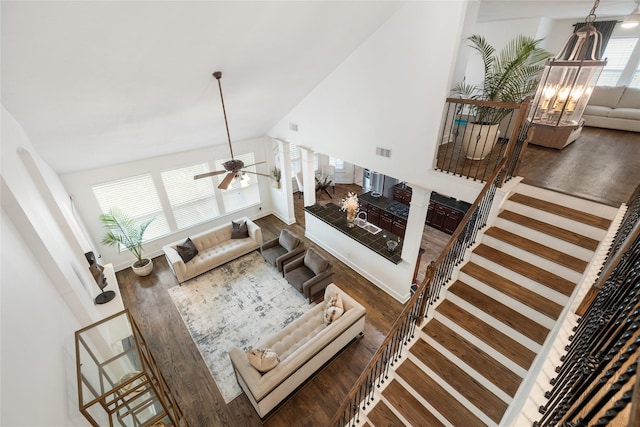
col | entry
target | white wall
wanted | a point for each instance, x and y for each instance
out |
(47, 290)
(388, 93)
(78, 184)
(497, 34)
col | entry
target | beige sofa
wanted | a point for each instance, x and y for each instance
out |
(614, 107)
(303, 347)
(215, 247)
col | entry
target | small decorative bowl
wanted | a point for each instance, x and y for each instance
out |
(391, 245)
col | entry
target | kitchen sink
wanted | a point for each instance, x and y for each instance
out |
(371, 228)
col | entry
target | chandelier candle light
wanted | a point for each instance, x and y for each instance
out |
(569, 78)
(350, 205)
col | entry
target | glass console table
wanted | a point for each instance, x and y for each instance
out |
(119, 383)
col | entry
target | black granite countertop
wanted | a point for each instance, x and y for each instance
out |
(332, 215)
(386, 204)
(450, 202)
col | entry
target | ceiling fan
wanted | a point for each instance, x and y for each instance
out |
(234, 168)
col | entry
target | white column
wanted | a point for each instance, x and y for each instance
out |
(308, 175)
(415, 223)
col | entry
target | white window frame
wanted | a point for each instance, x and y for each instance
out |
(192, 201)
(136, 196)
(627, 67)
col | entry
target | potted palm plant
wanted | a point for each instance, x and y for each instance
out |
(509, 76)
(277, 175)
(121, 230)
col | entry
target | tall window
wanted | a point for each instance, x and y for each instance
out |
(337, 163)
(138, 198)
(241, 193)
(192, 200)
(618, 53)
(296, 161)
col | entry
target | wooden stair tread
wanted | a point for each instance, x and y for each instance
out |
(382, 416)
(550, 229)
(437, 396)
(563, 211)
(494, 371)
(408, 406)
(513, 290)
(538, 249)
(461, 381)
(502, 343)
(510, 317)
(550, 280)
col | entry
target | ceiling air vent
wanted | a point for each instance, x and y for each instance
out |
(384, 152)
(293, 127)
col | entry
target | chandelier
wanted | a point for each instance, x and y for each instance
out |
(569, 78)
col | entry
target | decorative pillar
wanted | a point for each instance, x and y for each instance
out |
(308, 175)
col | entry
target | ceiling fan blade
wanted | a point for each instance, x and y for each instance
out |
(226, 182)
(256, 173)
(206, 174)
(259, 163)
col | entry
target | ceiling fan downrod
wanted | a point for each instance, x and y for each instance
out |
(218, 76)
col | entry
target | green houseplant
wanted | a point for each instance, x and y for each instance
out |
(277, 175)
(121, 230)
(510, 75)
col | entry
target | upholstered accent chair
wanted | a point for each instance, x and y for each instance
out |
(309, 273)
(283, 248)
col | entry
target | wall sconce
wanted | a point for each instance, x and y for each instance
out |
(569, 78)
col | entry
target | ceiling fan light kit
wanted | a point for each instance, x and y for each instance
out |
(234, 168)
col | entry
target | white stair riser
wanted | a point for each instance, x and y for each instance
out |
(530, 284)
(545, 239)
(453, 392)
(481, 345)
(558, 221)
(525, 310)
(473, 373)
(545, 264)
(495, 323)
(583, 205)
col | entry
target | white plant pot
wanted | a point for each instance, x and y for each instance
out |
(478, 140)
(145, 270)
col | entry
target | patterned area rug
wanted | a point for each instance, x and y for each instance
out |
(237, 304)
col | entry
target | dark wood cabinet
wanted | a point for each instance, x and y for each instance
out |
(441, 214)
(386, 221)
(402, 196)
(399, 226)
(451, 220)
(374, 215)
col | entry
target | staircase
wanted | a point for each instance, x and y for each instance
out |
(470, 358)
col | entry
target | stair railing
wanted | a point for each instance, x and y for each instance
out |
(597, 382)
(416, 309)
(467, 134)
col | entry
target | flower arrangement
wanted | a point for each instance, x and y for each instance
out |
(350, 203)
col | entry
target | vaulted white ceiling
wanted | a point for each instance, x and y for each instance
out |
(98, 83)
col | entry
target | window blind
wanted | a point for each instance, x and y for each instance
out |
(137, 197)
(192, 201)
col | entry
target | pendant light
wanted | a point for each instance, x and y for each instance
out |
(569, 78)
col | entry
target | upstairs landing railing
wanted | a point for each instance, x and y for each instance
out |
(471, 148)
(416, 309)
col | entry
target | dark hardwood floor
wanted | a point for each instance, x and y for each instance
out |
(602, 165)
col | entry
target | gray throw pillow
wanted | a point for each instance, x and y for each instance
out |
(239, 230)
(315, 262)
(187, 250)
(288, 240)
